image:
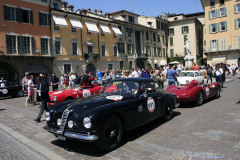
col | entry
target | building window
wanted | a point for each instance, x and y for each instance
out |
(131, 19)
(56, 27)
(120, 28)
(159, 52)
(121, 64)
(44, 46)
(171, 52)
(171, 31)
(74, 48)
(115, 50)
(129, 32)
(148, 50)
(9, 13)
(74, 30)
(110, 66)
(213, 14)
(185, 39)
(11, 44)
(130, 48)
(237, 8)
(221, 2)
(213, 45)
(164, 53)
(67, 68)
(185, 30)
(158, 25)
(154, 37)
(26, 16)
(57, 47)
(171, 41)
(223, 44)
(130, 65)
(26, 45)
(213, 27)
(88, 32)
(163, 38)
(162, 26)
(121, 48)
(159, 38)
(223, 26)
(90, 49)
(44, 19)
(103, 49)
(155, 51)
(223, 12)
(147, 36)
(212, 3)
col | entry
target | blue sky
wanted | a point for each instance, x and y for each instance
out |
(149, 7)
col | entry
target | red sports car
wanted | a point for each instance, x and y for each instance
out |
(195, 93)
(76, 93)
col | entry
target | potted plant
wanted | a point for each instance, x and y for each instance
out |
(94, 56)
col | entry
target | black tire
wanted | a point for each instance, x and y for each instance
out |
(218, 93)
(199, 100)
(168, 110)
(110, 134)
(20, 93)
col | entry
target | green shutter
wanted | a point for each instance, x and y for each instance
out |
(217, 13)
(217, 44)
(185, 51)
(225, 11)
(218, 27)
(171, 41)
(209, 14)
(171, 51)
(210, 45)
(238, 41)
(235, 8)
(185, 38)
(182, 30)
(235, 20)
(173, 31)
(226, 25)
(210, 28)
(187, 29)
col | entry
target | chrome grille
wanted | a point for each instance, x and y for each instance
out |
(64, 120)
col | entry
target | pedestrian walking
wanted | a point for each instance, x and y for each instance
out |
(135, 73)
(30, 91)
(145, 73)
(195, 67)
(43, 91)
(218, 75)
(54, 82)
(209, 72)
(25, 85)
(171, 76)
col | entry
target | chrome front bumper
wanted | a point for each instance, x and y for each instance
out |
(79, 136)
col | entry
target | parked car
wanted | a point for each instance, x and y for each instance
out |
(185, 77)
(123, 104)
(75, 93)
(11, 89)
(195, 93)
(101, 82)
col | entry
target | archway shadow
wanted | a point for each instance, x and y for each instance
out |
(90, 149)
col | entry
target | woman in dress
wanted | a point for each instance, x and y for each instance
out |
(30, 91)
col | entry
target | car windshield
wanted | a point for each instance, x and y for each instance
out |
(121, 87)
(186, 74)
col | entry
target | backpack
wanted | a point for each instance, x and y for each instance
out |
(209, 71)
(85, 78)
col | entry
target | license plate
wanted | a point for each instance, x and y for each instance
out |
(61, 137)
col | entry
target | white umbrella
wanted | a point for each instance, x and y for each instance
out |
(174, 62)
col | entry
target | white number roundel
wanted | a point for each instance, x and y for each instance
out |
(86, 93)
(151, 105)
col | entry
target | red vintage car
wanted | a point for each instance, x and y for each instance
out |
(195, 93)
(75, 93)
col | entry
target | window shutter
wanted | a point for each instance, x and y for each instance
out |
(217, 44)
(40, 19)
(238, 41)
(171, 41)
(182, 30)
(226, 25)
(216, 13)
(209, 15)
(19, 42)
(185, 39)
(49, 19)
(51, 46)
(7, 42)
(210, 45)
(218, 27)
(235, 8)
(210, 28)
(41, 43)
(187, 29)
(33, 45)
(31, 16)
(6, 15)
(19, 15)
(185, 51)
(235, 24)
(173, 31)
(225, 11)
(222, 44)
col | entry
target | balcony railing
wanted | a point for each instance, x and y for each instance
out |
(141, 55)
(91, 56)
(227, 48)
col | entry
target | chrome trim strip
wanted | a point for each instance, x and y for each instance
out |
(84, 137)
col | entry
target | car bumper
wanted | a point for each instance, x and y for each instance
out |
(79, 136)
(51, 103)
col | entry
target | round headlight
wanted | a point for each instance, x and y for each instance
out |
(70, 124)
(55, 98)
(47, 115)
(87, 122)
(59, 121)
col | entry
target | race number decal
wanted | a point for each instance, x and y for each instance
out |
(115, 98)
(4, 91)
(207, 91)
(151, 105)
(86, 93)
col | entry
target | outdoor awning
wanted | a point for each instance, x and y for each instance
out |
(90, 44)
(76, 23)
(155, 61)
(105, 29)
(92, 27)
(149, 62)
(60, 21)
(219, 60)
(116, 30)
(163, 62)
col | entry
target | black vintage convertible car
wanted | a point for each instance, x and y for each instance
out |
(10, 89)
(122, 104)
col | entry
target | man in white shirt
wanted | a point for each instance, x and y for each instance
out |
(135, 73)
(2, 82)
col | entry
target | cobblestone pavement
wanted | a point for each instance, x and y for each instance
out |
(11, 149)
(210, 131)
